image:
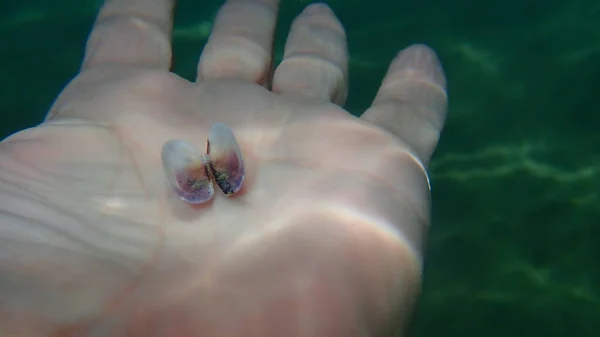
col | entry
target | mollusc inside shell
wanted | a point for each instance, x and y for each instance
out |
(225, 158)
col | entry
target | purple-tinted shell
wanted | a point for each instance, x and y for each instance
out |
(225, 158)
(187, 171)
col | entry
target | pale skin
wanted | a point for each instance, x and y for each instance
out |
(325, 239)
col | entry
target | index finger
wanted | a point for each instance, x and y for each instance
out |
(412, 100)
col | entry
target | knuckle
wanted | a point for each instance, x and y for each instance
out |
(129, 35)
(234, 57)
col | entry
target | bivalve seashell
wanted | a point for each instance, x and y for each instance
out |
(190, 172)
(187, 171)
(225, 159)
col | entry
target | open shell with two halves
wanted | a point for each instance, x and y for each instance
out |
(191, 173)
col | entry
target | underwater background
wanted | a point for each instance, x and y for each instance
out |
(514, 248)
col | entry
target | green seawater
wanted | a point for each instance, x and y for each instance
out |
(514, 248)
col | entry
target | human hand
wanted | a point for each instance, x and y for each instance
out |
(325, 238)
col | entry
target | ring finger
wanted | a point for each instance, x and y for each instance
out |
(133, 33)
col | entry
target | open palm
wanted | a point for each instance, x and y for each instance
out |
(324, 239)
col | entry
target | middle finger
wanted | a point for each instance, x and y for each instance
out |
(240, 44)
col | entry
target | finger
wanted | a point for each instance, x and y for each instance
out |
(131, 32)
(412, 100)
(315, 62)
(240, 45)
